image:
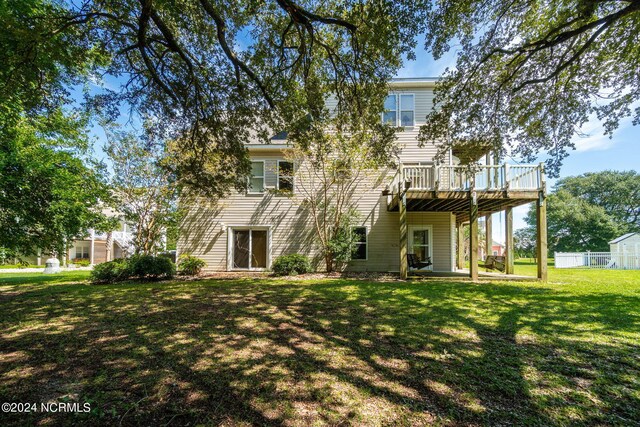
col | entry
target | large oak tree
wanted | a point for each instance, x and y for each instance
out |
(529, 74)
(218, 74)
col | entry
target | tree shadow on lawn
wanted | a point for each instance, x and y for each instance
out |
(334, 352)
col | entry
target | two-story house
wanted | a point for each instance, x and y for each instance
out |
(418, 209)
(95, 247)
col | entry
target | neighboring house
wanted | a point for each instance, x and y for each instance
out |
(497, 248)
(101, 247)
(418, 208)
(626, 244)
(96, 248)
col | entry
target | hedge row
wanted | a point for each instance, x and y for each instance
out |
(136, 267)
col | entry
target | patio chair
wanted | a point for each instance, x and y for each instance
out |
(414, 262)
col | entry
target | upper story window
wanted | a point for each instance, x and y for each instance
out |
(406, 110)
(390, 115)
(285, 176)
(399, 110)
(256, 180)
(360, 237)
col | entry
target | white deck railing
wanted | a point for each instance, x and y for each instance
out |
(482, 177)
(603, 260)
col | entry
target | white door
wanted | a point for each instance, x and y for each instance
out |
(421, 242)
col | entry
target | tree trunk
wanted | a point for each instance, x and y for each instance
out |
(328, 259)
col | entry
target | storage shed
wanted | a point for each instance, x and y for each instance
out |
(628, 244)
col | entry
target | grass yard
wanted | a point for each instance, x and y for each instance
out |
(325, 352)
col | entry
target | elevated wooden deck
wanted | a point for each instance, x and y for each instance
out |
(470, 192)
(451, 188)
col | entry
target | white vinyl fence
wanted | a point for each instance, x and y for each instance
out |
(616, 261)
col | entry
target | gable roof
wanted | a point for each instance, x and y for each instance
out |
(623, 237)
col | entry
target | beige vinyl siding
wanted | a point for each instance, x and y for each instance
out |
(205, 230)
(407, 138)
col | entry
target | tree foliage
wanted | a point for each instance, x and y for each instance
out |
(48, 195)
(529, 74)
(333, 168)
(575, 225)
(142, 190)
(617, 192)
(218, 74)
(48, 192)
(524, 242)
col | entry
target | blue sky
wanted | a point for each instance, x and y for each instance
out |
(594, 152)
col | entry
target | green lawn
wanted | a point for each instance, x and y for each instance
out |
(18, 267)
(325, 352)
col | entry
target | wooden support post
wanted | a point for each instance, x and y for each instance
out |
(541, 211)
(488, 236)
(460, 247)
(402, 208)
(473, 236)
(509, 240)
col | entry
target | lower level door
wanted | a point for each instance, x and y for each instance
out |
(420, 242)
(249, 249)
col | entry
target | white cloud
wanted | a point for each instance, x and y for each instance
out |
(592, 136)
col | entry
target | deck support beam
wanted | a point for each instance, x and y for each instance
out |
(402, 207)
(488, 236)
(473, 236)
(460, 246)
(509, 255)
(541, 228)
(541, 234)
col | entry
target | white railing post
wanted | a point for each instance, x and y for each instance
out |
(506, 176)
(436, 176)
(488, 177)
